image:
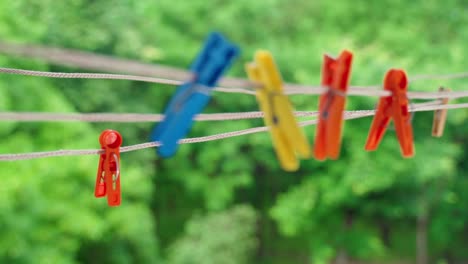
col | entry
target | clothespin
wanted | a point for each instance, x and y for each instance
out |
(288, 138)
(335, 76)
(440, 116)
(393, 107)
(216, 57)
(108, 175)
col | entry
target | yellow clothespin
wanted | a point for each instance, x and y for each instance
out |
(440, 116)
(288, 138)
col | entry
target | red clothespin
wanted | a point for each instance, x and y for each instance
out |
(393, 107)
(335, 76)
(108, 175)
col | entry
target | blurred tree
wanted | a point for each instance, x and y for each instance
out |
(366, 206)
(222, 237)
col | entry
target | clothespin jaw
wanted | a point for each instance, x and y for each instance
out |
(440, 116)
(108, 175)
(394, 107)
(335, 76)
(288, 138)
(191, 98)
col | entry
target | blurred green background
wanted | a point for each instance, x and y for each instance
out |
(228, 201)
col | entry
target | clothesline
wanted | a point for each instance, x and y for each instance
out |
(214, 59)
(173, 76)
(99, 62)
(347, 116)
(290, 89)
(136, 118)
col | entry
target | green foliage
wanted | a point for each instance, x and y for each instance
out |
(233, 199)
(221, 237)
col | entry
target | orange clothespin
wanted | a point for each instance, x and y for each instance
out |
(108, 175)
(394, 106)
(335, 76)
(440, 116)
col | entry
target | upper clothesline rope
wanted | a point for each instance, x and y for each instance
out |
(290, 89)
(140, 71)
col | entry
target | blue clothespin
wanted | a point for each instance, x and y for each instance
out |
(216, 56)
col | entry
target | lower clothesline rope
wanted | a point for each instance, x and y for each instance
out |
(136, 118)
(128, 117)
(347, 116)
